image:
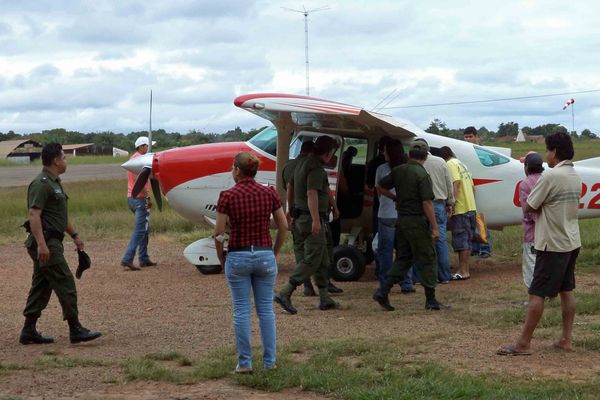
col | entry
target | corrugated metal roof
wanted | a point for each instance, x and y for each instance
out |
(8, 146)
(76, 146)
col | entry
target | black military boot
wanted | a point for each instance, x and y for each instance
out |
(283, 298)
(431, 302)
(326, 302)
(331, 288)
(309, 290)
(381, 296)
(78, 333)
(29, 335)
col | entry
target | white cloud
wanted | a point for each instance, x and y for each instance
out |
(89, 66)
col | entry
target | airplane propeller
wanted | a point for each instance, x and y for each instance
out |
(141, 181)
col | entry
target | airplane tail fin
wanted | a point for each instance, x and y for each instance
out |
(590, 162)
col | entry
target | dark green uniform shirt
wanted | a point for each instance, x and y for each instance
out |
(288, 170)
(47, 194)
(309, 174)
(413, 187)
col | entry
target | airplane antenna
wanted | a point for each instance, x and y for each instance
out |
(384, 99)
(150, 128)
(306, 12)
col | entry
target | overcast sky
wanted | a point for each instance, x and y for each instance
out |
(90, 65)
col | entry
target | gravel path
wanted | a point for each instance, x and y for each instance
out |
(174, 308)
(19, 176)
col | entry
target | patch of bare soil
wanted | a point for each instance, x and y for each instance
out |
(172, 307)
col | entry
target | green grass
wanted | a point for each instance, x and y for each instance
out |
(583, 148)
(361, 369)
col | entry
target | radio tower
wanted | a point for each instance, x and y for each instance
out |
(306, 12)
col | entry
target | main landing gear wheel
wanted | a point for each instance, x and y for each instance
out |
(348, 264)
(209, 269)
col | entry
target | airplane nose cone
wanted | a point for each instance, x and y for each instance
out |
(136, 165)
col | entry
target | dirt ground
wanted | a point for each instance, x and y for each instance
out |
(172, 307)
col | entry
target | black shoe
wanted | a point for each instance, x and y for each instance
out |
(148, 264)
(383, 301)
(408, 291)
(327, 304)
(309, 291)
(285, 303)
(331, 288)
(129, 265)
(81, 334)
(435, 305)
(34, 337)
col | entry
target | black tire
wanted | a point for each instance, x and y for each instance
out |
(348, 264)
(209, 269)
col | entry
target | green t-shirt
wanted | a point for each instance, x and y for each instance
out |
(47, 194)
(413, 187)
(309, 174)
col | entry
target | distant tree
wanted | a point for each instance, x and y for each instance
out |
(587, 134)
(10, 135)
(437, 127)
(508, 129)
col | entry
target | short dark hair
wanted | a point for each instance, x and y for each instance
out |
(307, 147)
(395, 152)
(446, 153)
(324, 144)
(562, 143)
(50, 152)
(470, 130)
(418, 154)
(534, 168)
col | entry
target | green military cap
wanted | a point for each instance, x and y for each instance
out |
(419, 144)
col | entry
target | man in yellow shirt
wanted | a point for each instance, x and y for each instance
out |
(462, 221)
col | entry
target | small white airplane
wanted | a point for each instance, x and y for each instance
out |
(192, 177)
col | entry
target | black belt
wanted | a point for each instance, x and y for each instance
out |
(250, 248)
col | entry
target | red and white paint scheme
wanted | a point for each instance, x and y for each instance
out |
(191, 178)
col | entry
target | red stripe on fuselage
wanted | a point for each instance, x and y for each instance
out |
(478, 182)
(254, 96)
(178, 166)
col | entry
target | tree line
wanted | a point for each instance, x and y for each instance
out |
(165, 140)
(439, 127)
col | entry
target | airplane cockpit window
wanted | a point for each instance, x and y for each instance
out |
(490, 158)
(266, 140)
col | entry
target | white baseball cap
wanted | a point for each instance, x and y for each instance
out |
(143, 140)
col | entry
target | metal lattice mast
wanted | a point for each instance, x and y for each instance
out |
(306, 12)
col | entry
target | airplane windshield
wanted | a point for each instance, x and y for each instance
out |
(489, 158)
(266, 140)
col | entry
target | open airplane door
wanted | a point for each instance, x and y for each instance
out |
(300, 115)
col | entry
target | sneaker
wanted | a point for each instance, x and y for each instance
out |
(148, 264)
(242, 370)
(130, 265)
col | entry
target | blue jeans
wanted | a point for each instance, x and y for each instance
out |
(441, 249)
(139, 236)
(253, 271)
(385, 248)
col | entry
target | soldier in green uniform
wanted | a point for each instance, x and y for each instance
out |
(48, 221)
(311, 204)
(416, 228)
(288, 181)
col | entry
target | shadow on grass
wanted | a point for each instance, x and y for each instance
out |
(358, 369)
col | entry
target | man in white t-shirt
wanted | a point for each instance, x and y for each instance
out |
(555, 198)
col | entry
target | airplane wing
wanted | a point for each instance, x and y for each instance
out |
(293, 112)
(590, 162)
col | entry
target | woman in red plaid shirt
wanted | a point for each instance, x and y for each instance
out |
(250, 265)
